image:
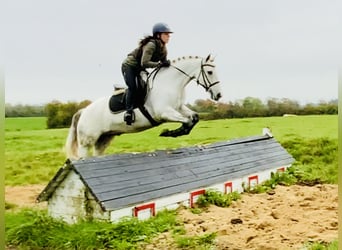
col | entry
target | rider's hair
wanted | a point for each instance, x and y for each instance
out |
(146, 39)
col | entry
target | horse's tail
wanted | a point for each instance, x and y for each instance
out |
(71, 144)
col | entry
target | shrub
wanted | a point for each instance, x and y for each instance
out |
(217, 198)
(59, 115)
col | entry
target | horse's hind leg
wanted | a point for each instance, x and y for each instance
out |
(102, 143)
(82, 151)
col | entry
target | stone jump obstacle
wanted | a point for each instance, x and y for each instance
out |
(139, 185)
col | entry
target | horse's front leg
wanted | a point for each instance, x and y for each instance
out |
(186, 116)
(185, 111)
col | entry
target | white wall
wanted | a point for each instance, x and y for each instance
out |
(71, 200)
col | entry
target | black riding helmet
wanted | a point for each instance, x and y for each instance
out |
(161, 28)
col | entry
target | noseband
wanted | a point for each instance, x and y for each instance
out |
(206, 82)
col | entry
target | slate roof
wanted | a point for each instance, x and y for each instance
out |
(121, 180)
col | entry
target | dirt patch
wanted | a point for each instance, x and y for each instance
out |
(24, 196)
(285, 219)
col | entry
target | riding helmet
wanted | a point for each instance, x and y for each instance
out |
(161, 28)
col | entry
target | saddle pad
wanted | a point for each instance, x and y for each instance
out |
(117, 101)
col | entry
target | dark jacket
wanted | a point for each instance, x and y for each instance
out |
(148, 55)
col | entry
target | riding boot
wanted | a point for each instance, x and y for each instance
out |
(129, 116)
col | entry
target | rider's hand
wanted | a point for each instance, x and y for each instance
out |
(165, 63)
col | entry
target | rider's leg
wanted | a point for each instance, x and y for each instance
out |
(130, 74)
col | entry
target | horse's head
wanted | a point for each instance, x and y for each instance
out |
(203, 70)
(208, 79)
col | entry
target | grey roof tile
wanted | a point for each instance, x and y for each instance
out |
(121, 180)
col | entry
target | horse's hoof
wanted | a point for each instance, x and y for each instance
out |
(165, 132)
(195, 118)
(170, 133)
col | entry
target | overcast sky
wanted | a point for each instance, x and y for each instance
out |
(71, 50)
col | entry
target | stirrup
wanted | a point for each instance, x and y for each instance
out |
(129, 117)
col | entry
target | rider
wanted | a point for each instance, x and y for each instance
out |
(151, 53)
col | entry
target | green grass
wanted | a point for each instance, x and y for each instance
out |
(316, 159)
(217, 198)
(322, 246)
(26, 227)
(205, 132)
(24, 230)
(25, 123)
(33, 154)
(201, 242)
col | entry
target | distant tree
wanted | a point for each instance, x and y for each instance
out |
(329, 108)
(288, 106)
(24, 110)
(59, 115)
(234, 110)
(253, 107)
(273, 107)
(279, 107)
(204, 106)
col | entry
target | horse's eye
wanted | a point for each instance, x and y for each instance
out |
(210, 72)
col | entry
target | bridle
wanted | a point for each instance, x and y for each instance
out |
(206, 82)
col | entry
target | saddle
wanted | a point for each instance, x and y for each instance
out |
(117, 103)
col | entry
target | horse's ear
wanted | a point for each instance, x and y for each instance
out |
(208, 57)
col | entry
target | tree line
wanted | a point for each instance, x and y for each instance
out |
(254, 107)
(59, 114)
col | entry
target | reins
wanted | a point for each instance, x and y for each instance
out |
(206, 82)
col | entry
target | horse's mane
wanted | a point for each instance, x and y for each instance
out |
(187, 57)
(184, 58)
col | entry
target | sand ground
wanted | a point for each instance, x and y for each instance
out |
(284, 219)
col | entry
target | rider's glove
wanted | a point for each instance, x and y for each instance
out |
(165, 63)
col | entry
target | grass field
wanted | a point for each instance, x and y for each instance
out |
(33, 153)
